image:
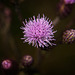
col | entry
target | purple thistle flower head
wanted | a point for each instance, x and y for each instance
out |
(38, 31)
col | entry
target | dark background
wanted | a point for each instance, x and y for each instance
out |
(58, 60)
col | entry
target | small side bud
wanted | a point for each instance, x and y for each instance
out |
(9, 66)
(27, 60)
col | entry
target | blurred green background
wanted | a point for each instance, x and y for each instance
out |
(58, 60)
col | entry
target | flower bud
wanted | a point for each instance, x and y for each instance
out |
(69, 36)
(9, 66)
(63, 10)
(27, 60)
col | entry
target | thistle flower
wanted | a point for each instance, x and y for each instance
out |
(38, 31)
(69, 36)
(69, 1)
